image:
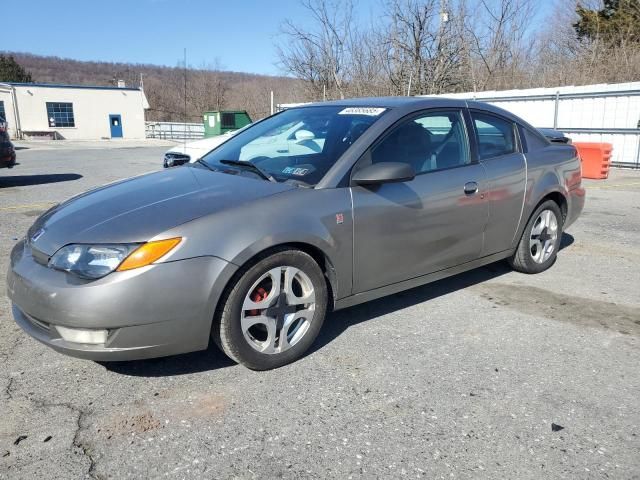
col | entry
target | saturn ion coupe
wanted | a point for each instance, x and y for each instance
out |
(252, 245)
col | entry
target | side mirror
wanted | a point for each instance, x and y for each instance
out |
(304, 135)
(384, 172)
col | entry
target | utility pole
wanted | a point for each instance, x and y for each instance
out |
(444, 18)
(185, 96)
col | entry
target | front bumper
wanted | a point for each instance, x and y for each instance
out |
(174, 159)
(7, 160)
(155, 311)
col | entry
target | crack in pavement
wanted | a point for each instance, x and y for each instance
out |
(76, 442)
(8, 389)
(83, 448)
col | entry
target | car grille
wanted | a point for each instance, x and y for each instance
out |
(177, 156)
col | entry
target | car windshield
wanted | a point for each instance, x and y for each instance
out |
(298, 145)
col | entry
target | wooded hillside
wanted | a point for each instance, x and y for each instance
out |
(209, 88)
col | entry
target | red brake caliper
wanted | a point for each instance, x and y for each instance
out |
(258, 295)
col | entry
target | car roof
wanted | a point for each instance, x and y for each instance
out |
(390, 102)
(409, 104)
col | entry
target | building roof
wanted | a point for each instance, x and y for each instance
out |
(145, 102)
(60, 85)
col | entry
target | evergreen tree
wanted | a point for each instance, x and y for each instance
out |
(618, 22)
(12, 71)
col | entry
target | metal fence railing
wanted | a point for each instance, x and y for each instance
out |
(174, 130)
(589, 113)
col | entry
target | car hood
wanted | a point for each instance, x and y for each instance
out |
(137, 209)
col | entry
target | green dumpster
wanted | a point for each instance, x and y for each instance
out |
(217, 123)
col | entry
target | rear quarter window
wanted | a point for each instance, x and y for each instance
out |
(495, 135)
(533, 140)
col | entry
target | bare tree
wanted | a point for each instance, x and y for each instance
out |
(423, 46)
(207, 88)
(499, 32)
(320, 55)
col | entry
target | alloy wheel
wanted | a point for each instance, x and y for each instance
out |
(544, 234)
(278, 310)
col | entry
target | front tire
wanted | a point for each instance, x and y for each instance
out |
(540, 240)
(273, 312)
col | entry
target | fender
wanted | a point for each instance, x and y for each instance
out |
(247, 230)
(543, 180)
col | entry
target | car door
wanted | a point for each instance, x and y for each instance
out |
(435, 221)
(499, 152)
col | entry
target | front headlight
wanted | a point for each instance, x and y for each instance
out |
(90, 261)
(96, 261)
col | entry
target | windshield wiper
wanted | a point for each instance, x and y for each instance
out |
(202, 162)
(252, 166)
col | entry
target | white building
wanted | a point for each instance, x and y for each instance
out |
(74, 112)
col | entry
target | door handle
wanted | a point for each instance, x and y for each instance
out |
(470, 188)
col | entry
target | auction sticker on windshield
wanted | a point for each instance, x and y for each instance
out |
(370, 111)
(300, 172)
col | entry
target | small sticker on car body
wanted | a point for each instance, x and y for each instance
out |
(369, 111)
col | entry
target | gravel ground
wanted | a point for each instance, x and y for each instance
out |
(489, 374)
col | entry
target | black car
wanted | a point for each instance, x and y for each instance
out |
(7, 151)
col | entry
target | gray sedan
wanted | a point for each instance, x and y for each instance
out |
(251, 246)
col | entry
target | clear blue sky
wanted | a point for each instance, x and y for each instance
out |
(239, 33)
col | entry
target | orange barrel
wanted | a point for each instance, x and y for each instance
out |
(595, 158)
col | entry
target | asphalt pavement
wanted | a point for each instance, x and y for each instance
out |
(489, 374)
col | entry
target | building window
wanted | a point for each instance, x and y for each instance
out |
(60, 115)
(3, 116)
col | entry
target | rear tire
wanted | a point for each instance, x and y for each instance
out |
(540, 241)
(272, 311)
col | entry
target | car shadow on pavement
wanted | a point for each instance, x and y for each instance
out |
(335, 324)
(27, 180)
(566, 240)
(210, 359)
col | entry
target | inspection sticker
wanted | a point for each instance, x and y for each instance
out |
(370, 111)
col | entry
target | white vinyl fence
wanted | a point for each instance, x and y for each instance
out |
(174, 130)
(591, 113)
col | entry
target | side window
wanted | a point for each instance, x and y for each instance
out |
(533, 140)
(495, 135)
(432, 141)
